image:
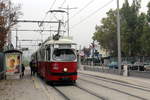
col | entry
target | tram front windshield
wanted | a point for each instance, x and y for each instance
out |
(64, 55)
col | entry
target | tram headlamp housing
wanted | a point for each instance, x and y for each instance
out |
(55, 66)
(65, 69)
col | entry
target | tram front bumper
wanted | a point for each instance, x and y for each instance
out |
(62, 76)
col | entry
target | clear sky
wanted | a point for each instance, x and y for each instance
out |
(81, 32)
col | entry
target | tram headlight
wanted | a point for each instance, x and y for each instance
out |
(65, 69)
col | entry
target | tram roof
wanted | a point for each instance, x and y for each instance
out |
(60, 41)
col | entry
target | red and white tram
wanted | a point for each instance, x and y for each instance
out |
(56, 60)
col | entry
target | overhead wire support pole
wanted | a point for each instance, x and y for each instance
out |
(118, 37)
(93, 49)
(16, 38)
(68, 17)
(9, 33)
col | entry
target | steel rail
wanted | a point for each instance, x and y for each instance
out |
(138, 97)
(117, 82)
(91, 92)
(61, 93)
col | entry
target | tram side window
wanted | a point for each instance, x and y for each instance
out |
(42, 54)
(48, 53)
(39, 58)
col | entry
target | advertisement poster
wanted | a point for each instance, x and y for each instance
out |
(13, 63)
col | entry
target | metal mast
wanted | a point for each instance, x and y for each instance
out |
(68, 17)
(118, 37)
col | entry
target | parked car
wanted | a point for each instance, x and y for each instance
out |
(147, 66)
(138, 66)
(113, 64)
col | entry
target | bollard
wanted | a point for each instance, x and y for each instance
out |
(125, 70)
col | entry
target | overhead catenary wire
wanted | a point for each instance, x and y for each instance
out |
(41, 24)
(43, 20)
(63, 3)
(73, 16)
(89, 3)
(47, 12)
(61, 7)
(53, 4)
(93, 13)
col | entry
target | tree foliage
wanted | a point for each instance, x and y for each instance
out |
(148, 12)
(106, 33)
(135, 31)
(8, 13)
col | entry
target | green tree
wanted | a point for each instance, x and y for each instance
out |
(148, 12)
(106, 33)
(131, 30)
(145, 41)
(145, 38)
(130, 27)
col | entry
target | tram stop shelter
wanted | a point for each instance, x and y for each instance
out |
(13, 63)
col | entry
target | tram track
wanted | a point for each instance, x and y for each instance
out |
(47, 86)
(122, 83)
(82, 89)
(97, 84)
(61, 90)
(64, 95)
(90, 92)
(61, 93)
(79, 87)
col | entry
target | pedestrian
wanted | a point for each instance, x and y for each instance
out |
(102, 60)
(31, 66)
(34, 68)
(22, 69)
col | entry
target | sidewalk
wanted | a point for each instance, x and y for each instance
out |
(132, 80)
(21, 89)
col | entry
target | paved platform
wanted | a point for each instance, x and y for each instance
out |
(26, 88)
